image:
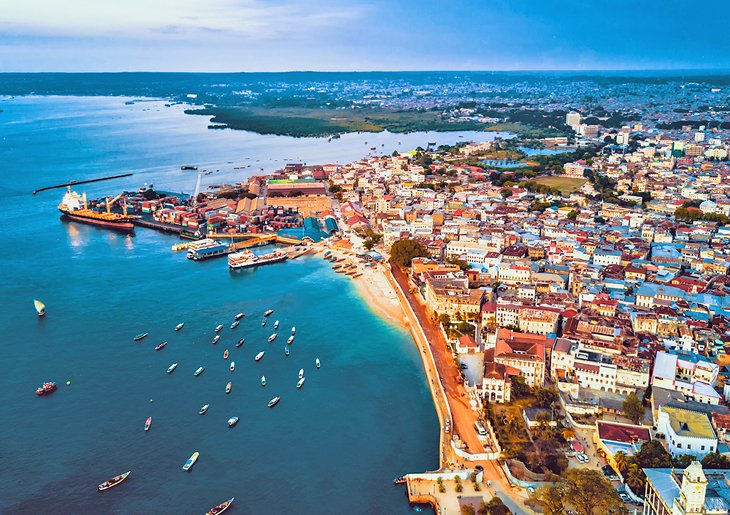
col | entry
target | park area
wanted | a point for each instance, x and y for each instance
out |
(566, 185)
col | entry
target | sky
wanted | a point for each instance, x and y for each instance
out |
(355, 35)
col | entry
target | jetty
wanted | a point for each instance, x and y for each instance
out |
(87, 181)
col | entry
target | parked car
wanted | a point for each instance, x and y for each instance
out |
(624, 497)
(532, 490)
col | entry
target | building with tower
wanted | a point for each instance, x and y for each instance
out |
(690, 491)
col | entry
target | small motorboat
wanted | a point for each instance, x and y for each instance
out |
(47, 388)
(228, 387)
(290, 340)
(204, 409)
(272, 337)
(160, 346)
(218, 328)
(239, 316)
(233, 366)
(263, 322)
(300, 382)
(179, 326)
(294, 330)
(217, 510)
(113, 481)
(199, 371)
(268, 312)
(171, 368)
(191, 461)
(263, 380)
(286, 351)
(148, 424)
(140, 336)
(217, 337)
(235, 324)
(225, 354)
(239, 342)
(273, 402)
(39, 307)
(276, 324)
(301, 373)
(232, 421)
(259, 356)
(317, 363)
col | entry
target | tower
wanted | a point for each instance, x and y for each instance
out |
(692, 492)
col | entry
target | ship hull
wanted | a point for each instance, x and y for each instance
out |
(261, 262)
(125, 227)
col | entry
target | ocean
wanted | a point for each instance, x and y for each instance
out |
(334, 446)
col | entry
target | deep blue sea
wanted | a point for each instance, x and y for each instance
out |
(332, 447)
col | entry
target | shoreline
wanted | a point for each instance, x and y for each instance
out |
(374, 289)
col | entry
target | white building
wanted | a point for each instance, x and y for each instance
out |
(686, 432)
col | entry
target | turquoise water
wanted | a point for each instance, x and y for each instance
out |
(332, 447)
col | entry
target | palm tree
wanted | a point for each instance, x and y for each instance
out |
(622, 461)
(568, 433)
(635, 478)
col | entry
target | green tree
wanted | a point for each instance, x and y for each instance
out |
(549, 498)
(506, 192)
(295, 193)
(445, 320)
(519, 387)
(335, 188)
(495, 506)
(545, 397)
(589, 492)
(633, 408)
(403, 251)
(573, 214)
(467, 509)
(716, 461)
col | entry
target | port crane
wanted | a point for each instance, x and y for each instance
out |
(109, 203)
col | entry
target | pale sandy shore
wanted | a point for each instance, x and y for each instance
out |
(379, 295)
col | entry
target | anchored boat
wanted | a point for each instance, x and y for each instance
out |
(216, 338)
(191, 461)
(228, 387)
(233, 366)
(218, 328)
(301, 373)
(300, 382)
(198, 371)
(140, 336)
(39, 307)
(263, 380)
(160, 346)
(290, 340)
(240, 342)
(259, 356)
(317, 363)
(239, 316)
(268, 312)
(148, 424)
(272, 337)
(179, 326)
(276, 324)
(171, 368)
(217, 510)
(273, 402)
(225, 354)
(235, 324)
(232, 421)
(204, 409)
(106, 485)
(74, 207)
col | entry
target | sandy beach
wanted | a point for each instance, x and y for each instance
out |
(374, 287)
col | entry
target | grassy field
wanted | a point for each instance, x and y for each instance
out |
(566, 185)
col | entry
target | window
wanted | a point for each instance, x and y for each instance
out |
(703, 448)
(679, 445)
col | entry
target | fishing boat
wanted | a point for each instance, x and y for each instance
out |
(316, 362)
(300, 382)
(293, 329)
(217, 510)
(240, 342)
(290, 340)
(268, 312)
(106, 485)
(47, 388)
(179, 326)
(263, 322)
(301, 373)
(273, 402)
(276, 324)
(171, 368)
(263, 380)
(148, 424)
(199, 371)
(286, 351)
(259, 356)
(140, 336)
(160, 346)
(239, 316)
(235, 324)
(225, 354)
(233, 366)
(39, 307)
(191, 461)
(218, 328)
(204, 409)
(272, 337)
(232, 421)
(228, 387)
(216, 338)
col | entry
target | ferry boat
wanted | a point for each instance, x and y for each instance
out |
(39, 307)
(106, 485)
(161, 346)
(216, 338)
(290, 340)
(239, 342)
(300, 382)
(198, 371)
(273, 402)
(263, 380)
(217, 510)
(225, 354)
(247, 259)
(268, 312)
(276, 324)
(148, 424)
(140, 336)
(204, 409)
(206, 249)
(317, 363)
(218, 328)
(47, 388)
(286, 351)
(239, 316)
(228, 387)
(191, 461)
(179, 326)
(233, 366)
(294, 330)
(272, 337)
(259, 356)
(301, 373)
(171, 368)
(74, 207)
(235, 324)
(232, 421)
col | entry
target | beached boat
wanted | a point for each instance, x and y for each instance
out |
(276, 324)
(191, 461)
(216, 338)
(148, 423)
(268, 312)
(225, 354)
(232, 421)
(286, 351)
(259, 356)
(47, 388)
(198, 371)
(293, 329)
(317, 363)
(235, 324)
(106, 485)
(301, 373)
(179, 326)
(233, 366)
(218, 328)
(140, 336)
(240, 342)
(300, 382)
(239, 316)
(39, 307)
(204, 409)
(171, 368)
(217, 510)
(263, 380)
(228, 387)
(272, 337)
(290, 340)
(160, 346)
(273, 402)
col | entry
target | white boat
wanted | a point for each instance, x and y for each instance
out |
(171, 368)
(290, 340)
(204, 409)
(263, 322)
(273, 402)
(300, 382)
(191, 461)
(198, 371)
(259, 356)
(293, 330)
(276, 324)
(39, 307)
(272, 337)
(216, 338)
(218, 328)
(233, 366)
(240, 342)
(286, 351)
(316, 362)
(263, 380)
(268, 312)
(179, 326)
(301, 373)
(235, 324)
(239, 316)
(232, 421)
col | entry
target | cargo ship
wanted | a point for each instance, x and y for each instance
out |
(246, 259)
(74, 207)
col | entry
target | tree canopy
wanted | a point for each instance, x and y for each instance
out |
(403, 251)
(633, 408)
(587, 491)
